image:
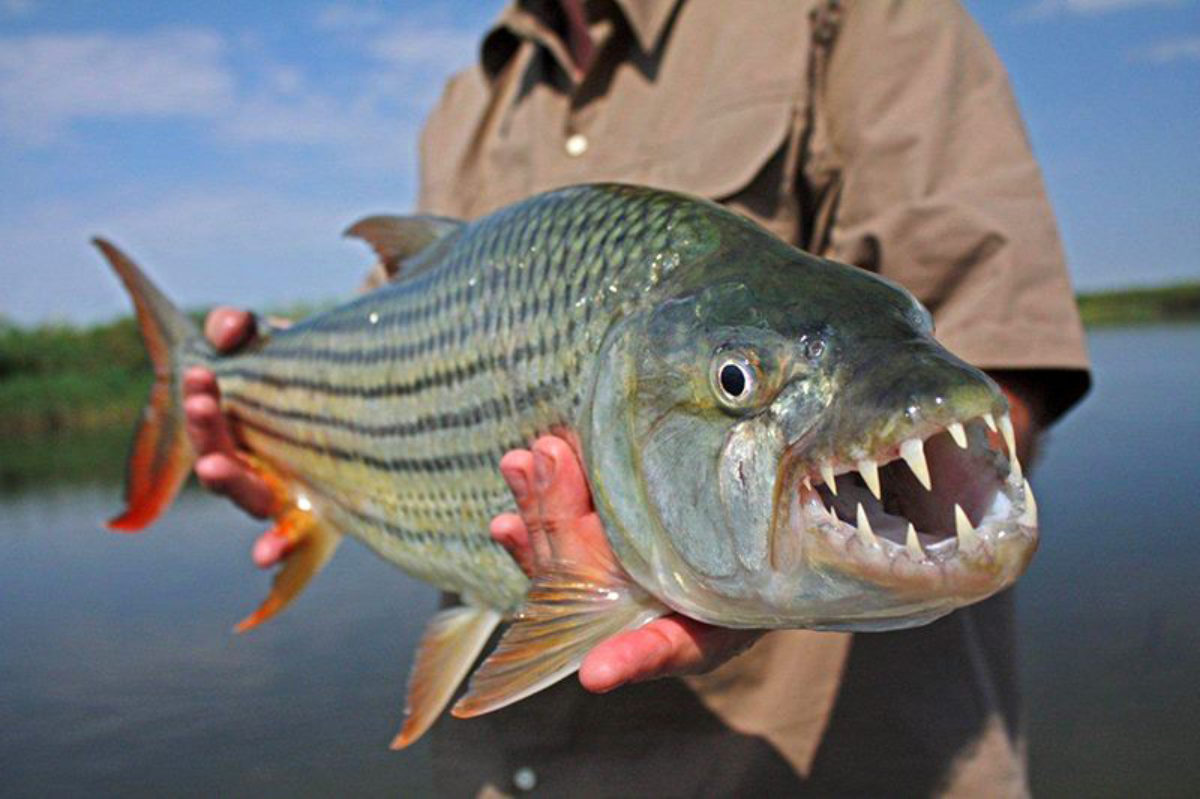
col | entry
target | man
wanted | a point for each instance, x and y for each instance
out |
(878, 134)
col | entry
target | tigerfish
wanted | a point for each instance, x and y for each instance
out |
(772, 439)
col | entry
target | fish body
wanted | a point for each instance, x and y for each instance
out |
(733, 399)
(394, 410)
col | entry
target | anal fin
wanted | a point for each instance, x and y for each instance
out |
(452, 641)
(568, 610)
(313, 543)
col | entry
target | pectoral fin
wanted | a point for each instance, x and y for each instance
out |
(451, 643)
(568, 610)
(313, 544)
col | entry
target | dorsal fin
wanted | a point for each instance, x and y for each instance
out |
(395, 239)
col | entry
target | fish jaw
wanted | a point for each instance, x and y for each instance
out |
(911, 554)
(922, 440)
(910, 500)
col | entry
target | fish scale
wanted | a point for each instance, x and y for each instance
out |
(397, 408)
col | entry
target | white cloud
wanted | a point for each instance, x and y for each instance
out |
(48, 81)
(349, 16)
(249, 245)
(406, 45)
(304, 153)
(405, 60)
(1184, 48)
(355, 133)
(1051, 8)
(419, 39)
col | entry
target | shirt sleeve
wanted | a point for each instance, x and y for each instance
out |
(931, 182)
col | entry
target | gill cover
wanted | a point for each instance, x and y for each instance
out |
(688, 487)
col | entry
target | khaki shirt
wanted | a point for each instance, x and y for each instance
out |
(882, 134)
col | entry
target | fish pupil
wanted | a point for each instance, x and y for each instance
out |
(733, 380)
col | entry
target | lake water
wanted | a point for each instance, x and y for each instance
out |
(118, 673)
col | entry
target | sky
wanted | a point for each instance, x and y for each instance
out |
(226, 147)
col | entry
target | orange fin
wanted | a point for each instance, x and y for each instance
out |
(452, 641)
(568, 610)
(314, 543)
(162, 456)
(159, 461)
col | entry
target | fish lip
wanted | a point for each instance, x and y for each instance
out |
(953, 568)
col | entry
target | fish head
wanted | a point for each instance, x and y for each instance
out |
(785, 444)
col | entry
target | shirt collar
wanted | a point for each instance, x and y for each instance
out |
(532, 19)
(648, 18)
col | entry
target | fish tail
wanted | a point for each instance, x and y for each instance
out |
(161, 456)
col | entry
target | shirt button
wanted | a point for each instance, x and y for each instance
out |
(524, 779)
(576, 145)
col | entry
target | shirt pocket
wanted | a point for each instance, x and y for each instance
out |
(724, 148)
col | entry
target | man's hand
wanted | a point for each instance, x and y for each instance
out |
(557, 520)
(219, 466)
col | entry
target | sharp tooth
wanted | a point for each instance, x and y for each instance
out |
(966, 532)
(865, 533)
(828, 477)
(913, 543)
(807, 484)
(913, 452)
(870, 475)
(1010, 438)
(990, 421)
(1029, 517)
(1010, 441)
(958, 434)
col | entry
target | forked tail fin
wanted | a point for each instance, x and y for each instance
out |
(161, 456)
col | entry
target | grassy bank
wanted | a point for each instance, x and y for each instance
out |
(1178, 303)
(69, 397)
(57, 380)
(60, 378)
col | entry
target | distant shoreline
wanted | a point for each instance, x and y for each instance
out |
(64, 379)
(1138, 306)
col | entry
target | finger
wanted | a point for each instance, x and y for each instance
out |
(226, 474)
(509, 531)
(198, 380)
(670, 646)
(559, 482)
(229, 328)
(517, 468)
(271, 548)
(205, 422)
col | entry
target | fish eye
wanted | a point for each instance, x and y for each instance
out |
(735, 379)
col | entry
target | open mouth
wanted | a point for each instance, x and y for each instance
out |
(951, 507)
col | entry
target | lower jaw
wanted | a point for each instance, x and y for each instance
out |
(965, 569)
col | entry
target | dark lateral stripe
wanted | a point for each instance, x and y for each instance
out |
(372, 391)
(435, 464)
(496, 408)
(361, 352)
(441, 379)
(354, 316)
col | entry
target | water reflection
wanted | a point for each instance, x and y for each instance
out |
(117, 661)
(1111, 646)
(118, 673)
